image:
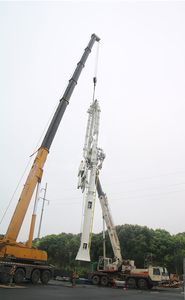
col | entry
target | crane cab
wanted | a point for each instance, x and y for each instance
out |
(107, 264)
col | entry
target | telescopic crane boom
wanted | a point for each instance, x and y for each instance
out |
(37, 168)
(8, 245)
(109, 222)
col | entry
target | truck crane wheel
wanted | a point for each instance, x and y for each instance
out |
(104, 281)
(142, 284)
(35, 276)
(150, 285)
(131, 283)
(45, 276)
(4, 278)
(19, 275)
(95, 280)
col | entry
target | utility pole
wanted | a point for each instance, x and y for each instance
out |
(184, 277)
(42, 211)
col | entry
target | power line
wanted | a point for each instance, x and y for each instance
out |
(145, 195)
(148, 177)
(151, 188)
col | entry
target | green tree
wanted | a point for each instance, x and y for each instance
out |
(161, 247)
(61, 248)
(136, 243)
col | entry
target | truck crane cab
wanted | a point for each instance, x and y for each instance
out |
(107, 264)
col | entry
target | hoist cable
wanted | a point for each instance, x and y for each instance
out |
(27, 165)
(95, 71)
(11, 199)
(94, 87)
(96, 60)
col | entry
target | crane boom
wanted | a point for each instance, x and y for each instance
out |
(67, 94)
(109, 221)
(36, 171)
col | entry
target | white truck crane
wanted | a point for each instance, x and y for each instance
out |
(108, 270)
(118, 269)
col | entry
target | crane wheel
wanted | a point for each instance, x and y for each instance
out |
(104, 280)
(131, 283)
(95, 279)
(45, 276)
(4, 278)
(19, 275)
(142, 284)
(35, 276)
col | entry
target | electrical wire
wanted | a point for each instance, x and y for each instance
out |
(150, 177)
(115, 197)
(151, 188)
(132, 197)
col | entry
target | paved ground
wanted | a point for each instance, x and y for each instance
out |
(64, 291)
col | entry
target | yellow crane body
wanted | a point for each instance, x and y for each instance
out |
(18, 250)
(33, 178)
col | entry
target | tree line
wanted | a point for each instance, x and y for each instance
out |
(139, 243)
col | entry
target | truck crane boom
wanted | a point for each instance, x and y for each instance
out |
(21, 254)
(36, 171)
(109, 222)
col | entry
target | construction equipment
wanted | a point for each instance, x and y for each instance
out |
(119, 269)
(93, 157)
(108, 270)
(174, 282)
(31, 263)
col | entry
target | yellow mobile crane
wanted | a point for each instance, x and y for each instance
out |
(28, 262)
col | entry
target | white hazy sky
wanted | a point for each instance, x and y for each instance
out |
(141, 90)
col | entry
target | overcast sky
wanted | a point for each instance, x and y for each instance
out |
(141, 91)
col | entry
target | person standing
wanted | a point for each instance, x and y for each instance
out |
(12, 273)
(73, 278)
